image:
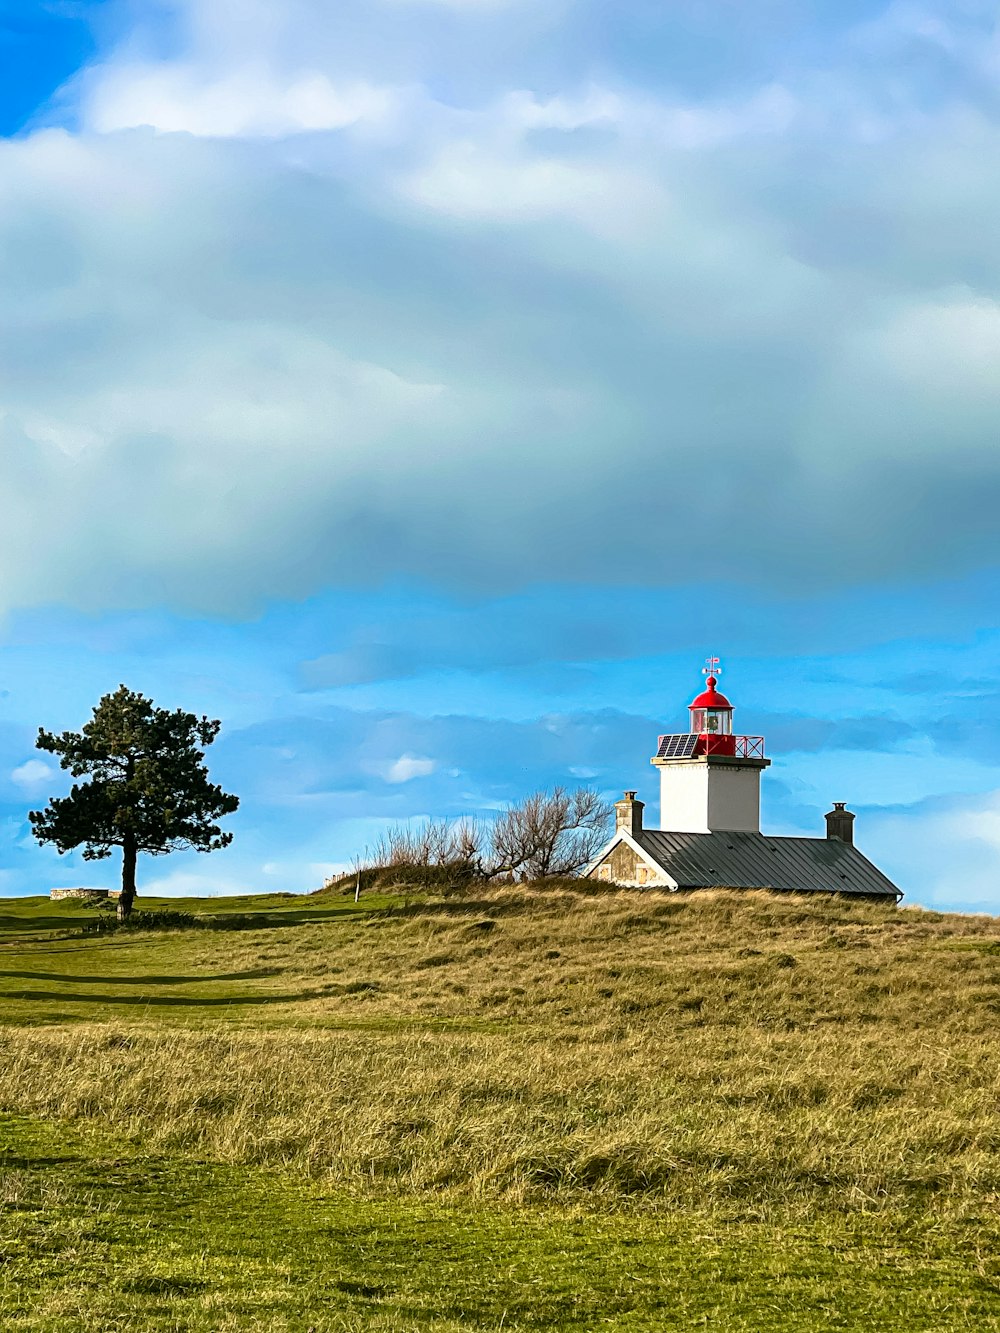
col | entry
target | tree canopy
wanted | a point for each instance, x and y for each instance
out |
(147, 788)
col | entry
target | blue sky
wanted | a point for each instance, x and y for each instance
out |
(426, 387)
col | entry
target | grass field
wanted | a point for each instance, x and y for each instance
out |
(531, 1108)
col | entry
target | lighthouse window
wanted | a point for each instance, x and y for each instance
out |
(717, 721)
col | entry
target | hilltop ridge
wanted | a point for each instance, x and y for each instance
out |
(536, 1039)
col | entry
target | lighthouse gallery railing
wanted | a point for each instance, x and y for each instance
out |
(691, 744)
(750, 747)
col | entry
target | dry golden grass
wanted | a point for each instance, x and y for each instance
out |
(724, 1052)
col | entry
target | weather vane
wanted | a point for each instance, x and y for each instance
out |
(713, 668)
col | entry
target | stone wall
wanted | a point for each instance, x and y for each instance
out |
(89, 895)
(623, 865)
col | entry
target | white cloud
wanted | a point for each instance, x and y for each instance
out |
(321, 871)
(471, 181)
(662, 121)
(189, 884)
(407, 767)
(967, 34)
(251, 101)
(982, 824)
(944, 853)
(465, 6)
(32, 774)
(597, 106)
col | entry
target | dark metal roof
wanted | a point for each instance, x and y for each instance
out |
(756, 861)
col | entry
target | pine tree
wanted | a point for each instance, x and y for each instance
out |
(147, 787)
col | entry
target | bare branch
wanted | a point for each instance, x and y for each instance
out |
(548, 833)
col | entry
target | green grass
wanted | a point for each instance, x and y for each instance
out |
(53, 969)
(96, 1239)
(527, 1109)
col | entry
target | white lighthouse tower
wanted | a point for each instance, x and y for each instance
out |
(710, 777)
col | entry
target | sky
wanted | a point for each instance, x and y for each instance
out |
(424, 388)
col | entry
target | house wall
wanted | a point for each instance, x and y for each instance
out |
(734, 799)
(623, 865)
(697, 796)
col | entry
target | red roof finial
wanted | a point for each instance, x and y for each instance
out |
(713, 670)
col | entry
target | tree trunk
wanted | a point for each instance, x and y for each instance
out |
(127, 897)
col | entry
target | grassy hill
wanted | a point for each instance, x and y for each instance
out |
(529, 1108)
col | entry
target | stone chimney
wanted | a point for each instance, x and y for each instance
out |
(840, 823)
(628, 814)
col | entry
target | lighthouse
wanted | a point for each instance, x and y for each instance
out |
(710, 834)
(709, 776)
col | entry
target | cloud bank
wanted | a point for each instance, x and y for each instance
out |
(284, 315)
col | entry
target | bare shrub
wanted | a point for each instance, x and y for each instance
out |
(548, 833)
(435, 842)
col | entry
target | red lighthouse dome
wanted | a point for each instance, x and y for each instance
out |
(711, 698)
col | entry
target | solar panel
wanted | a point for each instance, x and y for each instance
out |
(677, 747)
